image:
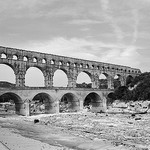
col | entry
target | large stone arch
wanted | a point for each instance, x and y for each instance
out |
(20, 107)
(34, 76)
(42, 103)
(88, 75)
(11, 68)
(11, 65)
(94, 102)
(64, 71)
(69, 102)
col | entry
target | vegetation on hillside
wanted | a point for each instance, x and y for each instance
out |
(4, 84)
(137, 89)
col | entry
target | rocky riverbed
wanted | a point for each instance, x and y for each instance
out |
(78, 131)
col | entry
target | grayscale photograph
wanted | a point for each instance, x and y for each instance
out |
(74, 74)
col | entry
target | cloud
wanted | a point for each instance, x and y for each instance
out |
(85, 21)
(108, 16)
(136, 23)
(90, 50)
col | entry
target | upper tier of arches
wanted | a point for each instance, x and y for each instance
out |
(21, 61)
(42, 59)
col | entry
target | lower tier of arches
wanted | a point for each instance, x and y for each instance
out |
(30, 102)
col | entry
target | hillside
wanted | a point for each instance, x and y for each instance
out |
(4, 84)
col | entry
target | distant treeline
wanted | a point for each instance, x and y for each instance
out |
(136, 89)
(5, 84)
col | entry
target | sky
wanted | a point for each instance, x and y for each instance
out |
(111, 31)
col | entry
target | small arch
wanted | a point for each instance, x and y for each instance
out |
(25, 58)
(52, 62)
(68, 64)
(3, 55)
(15, 57)
(98, 67)
(69, 103)
(34, 77)
(60, 63)
(93, 66)
(93, 102)
(75, 64)
(83, 80)
(44, 60)
(42, 103)
(60, 78)
(11, 103)
(34, 59)
(81, 65)
(87, 66)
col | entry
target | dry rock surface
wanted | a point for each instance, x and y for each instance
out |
(76, 131)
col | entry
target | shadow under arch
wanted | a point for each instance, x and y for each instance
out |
(93, 102)
(34, 77)
(60, 78)
(42, 103)
(14, 103)
(69, 103)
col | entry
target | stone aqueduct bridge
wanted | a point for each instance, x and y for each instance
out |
(21, 60)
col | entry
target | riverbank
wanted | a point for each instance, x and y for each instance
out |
(76, 131)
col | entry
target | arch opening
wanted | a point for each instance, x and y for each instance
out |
(42, 103)
(7, 76)
(117, 82)
(83, 80)
(34, 59)
(87, 66)
(25, 58)
(103, 83)
(44, 61)
(68, 64)
(34, 77)
(15, 57)
(52, 62)
(129, 80)
(11, 104)
(93, 102)
(69, 103)
(3, 55)
(60, 78)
